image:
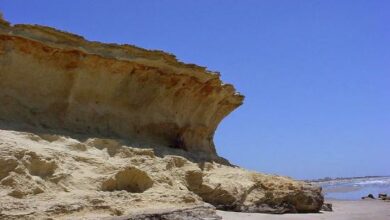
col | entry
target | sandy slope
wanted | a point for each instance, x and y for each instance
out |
(343, 210)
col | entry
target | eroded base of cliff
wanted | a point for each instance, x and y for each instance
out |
(43, 174)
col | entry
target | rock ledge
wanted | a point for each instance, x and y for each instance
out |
(54, 79)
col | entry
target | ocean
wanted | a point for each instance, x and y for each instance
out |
(355, 188)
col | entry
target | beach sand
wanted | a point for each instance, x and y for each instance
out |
(342, 210)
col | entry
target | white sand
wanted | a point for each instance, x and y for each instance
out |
(342, 210)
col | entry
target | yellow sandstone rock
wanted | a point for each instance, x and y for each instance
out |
(91, 130)
(54, 79)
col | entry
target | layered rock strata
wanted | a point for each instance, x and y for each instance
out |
(54, 79)
(91, 130)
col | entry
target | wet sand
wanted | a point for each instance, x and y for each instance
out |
(342, 210)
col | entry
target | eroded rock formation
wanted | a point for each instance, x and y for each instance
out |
(59, 80)
(48, 175)
(91, 130)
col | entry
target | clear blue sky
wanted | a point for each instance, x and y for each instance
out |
(316, 74)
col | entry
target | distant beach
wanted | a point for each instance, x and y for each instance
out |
(354, 188)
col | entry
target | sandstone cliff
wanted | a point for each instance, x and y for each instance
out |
(55, 79)
(91, 130)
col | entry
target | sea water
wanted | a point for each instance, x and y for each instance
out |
(355, 189)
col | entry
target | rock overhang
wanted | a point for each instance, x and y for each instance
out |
(58, 80)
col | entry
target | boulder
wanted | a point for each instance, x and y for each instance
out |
(382, 196)
(369, 196)
(327, 207)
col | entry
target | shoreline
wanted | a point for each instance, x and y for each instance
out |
(342, 210)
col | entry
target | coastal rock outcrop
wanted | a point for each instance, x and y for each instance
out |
(54, 79)
(91, 130)
(45, 175)
(240, 190)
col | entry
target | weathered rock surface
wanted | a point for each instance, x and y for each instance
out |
(194, 213)
(91, 130)
(48, 175)
(244, 191)
(54, 79)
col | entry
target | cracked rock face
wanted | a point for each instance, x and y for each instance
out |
(53, 79)
(91, 130)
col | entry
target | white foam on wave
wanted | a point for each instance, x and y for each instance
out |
(374, 182)
(363, 182)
